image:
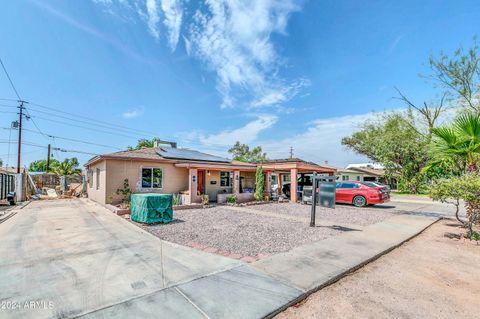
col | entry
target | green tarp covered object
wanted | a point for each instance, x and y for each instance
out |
(151, 208)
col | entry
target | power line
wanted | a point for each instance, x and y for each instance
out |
(115, 126)
(84, 127)
(109, 127)
(70, 139)
(35, 124)
(54, 148)
(9, 79)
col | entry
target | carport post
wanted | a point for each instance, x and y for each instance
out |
(314, 200)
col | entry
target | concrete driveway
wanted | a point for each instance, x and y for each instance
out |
(68, 258)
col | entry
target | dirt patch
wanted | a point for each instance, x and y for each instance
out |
(432, 276)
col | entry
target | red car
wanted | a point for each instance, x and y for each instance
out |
(361, 193)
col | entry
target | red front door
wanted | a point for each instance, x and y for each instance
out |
(200, 184)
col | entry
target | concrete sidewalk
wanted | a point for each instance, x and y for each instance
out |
(90, 263)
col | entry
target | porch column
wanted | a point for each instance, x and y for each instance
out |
(279, 181)
(236, 182)
(268, 185)
(192, 185)
(293, 185)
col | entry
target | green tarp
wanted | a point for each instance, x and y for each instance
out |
(151, 208)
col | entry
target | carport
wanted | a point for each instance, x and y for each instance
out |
(294, 167)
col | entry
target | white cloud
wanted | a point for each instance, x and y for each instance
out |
(233, 38)
(136, 112)
(321, 141)
(153, 18)
(225, 139)
(173, 12)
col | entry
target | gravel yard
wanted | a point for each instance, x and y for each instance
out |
(345, 214)
(247, 232)
(235, 232)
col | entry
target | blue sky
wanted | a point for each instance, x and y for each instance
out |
(208, 73)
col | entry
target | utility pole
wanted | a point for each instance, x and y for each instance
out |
(291, 152)
(19, 137)
(48, 158)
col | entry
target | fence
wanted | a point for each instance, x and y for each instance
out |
(7, 185)
(46, 180)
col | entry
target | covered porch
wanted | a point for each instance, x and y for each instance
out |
(219, 181)
(293, 172)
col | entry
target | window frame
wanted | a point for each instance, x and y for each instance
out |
(97, 178)
(152, 169)
(227, 178)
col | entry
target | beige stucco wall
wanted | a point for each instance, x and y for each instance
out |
(95, 194)
(113, 173)
(212, 189)
(351, 176)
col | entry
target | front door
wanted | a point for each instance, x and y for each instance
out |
(201, 182)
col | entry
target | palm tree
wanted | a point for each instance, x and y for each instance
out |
(459, 143)
(67, 167)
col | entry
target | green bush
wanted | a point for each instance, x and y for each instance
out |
(455, 189)
(125, 193)
(205, 200)
(176, 199)
(259, 182)
(232, 199)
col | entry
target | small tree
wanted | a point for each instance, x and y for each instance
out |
(125, 192)
(68, 167)
(259, 182)
(243, 153)
(453, 190)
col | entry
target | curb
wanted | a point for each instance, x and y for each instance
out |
(333, 280)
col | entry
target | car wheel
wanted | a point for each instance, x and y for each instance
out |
(359, 201)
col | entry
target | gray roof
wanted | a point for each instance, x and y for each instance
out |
(186, 154)
(165, 153)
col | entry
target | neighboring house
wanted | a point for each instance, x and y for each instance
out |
(344, 174)
(365, 165)
(187, 172)
(365, 174)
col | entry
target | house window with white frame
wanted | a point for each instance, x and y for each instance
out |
(345, 177)
(152, 177)
(225, 179)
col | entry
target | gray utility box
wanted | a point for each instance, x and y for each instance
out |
(307, 195)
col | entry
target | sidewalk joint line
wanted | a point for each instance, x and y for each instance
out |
(192, 303)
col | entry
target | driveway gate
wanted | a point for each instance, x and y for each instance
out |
(7, 185)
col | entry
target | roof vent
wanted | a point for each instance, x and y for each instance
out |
(157, 142)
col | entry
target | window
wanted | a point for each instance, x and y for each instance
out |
(90, 178)
(358, 178)
(152, 178)
(225, 179)
(97, 178)
(345, 178)
(350, 185)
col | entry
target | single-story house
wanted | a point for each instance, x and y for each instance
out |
(365, 174)
(190, 173)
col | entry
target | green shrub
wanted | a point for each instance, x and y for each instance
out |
(176, 199)
(455, 189)
(205, 200)
(473, 235)
(125, 193)
(232, 199)
(259, 182)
